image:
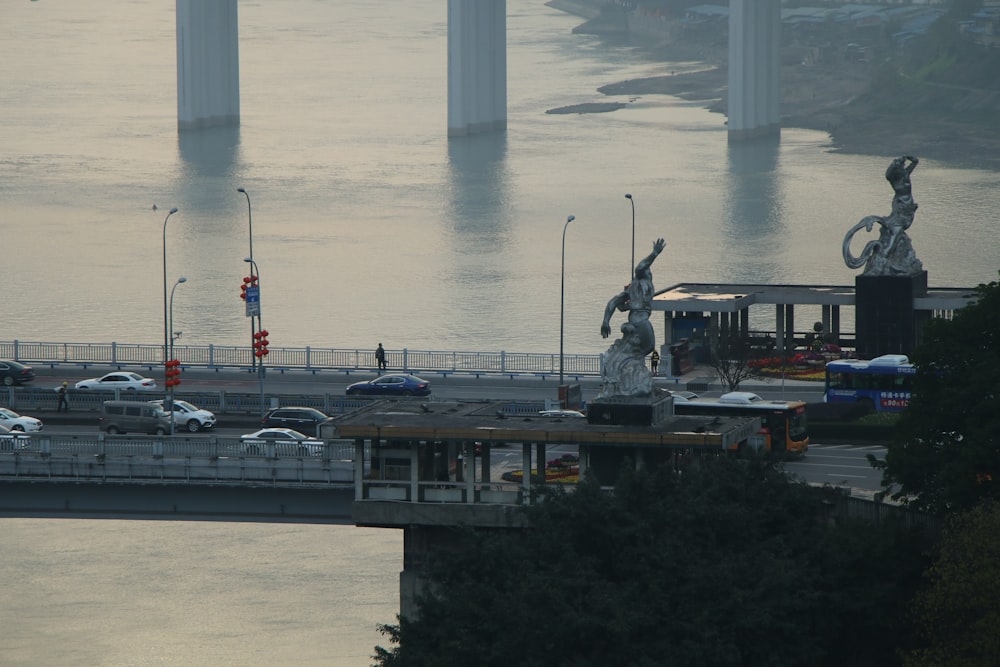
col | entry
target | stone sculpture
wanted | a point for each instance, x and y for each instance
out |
(623, 366)
(892, 253)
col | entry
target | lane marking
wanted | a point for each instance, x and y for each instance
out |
(827, 465)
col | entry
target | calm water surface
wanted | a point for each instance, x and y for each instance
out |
(369, 225)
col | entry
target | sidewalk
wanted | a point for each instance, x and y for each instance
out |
(703, 378)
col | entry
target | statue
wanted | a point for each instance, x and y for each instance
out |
(892, 253)
(623, 366)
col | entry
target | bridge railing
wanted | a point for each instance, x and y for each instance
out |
(313, 359)
(100, 446)
(44, 399)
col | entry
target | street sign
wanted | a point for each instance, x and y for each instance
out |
(253, 300)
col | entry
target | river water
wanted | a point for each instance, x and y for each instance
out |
(369, 225)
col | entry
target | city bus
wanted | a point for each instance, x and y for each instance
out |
(784, 427)
(883, 384)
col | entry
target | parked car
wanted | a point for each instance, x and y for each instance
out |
(14, 372)
(391, 385)
(304, 420)
(12, 441)
(287, 441)
(190, 416)
(119, 380)
(16, 422)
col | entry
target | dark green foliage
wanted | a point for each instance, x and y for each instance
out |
(958, 613)
(728, 563)
(946, 456)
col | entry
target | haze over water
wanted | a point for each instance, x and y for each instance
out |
(369, 225)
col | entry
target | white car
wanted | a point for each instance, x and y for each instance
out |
(16, 422)
(570, 414)
(119, 380)
(287, 442)
(12, 441)
(190, 416)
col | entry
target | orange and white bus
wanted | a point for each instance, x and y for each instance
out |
(784, 427)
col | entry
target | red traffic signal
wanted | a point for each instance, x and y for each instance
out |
(172, 372)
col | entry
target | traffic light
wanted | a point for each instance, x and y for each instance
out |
(260, 343)
(173, 373)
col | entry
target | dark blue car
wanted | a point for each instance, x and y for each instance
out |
(391, 385)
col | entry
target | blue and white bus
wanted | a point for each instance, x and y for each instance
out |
(882, 384)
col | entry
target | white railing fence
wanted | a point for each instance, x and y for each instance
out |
(315, 359)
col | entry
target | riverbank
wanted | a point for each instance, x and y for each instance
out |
(840, 100)
(863, 114)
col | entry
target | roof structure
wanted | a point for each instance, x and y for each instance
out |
(726, 298)
(494, 422)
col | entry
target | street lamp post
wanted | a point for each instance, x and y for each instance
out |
(250, 227)
(166, 321)
(631, 267)
(170, 405)
(562, 297)
(262, 334)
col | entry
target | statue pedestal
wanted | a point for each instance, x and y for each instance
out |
(630, 411)
(885, 321)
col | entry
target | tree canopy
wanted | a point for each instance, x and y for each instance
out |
(729, 563)
(946, 454)
(957, 613)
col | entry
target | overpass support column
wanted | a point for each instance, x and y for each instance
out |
(208, 64)
(477, 66)
(754, 68)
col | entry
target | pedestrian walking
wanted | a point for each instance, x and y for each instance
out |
(63, 402)
(380, 357)
(654, 361)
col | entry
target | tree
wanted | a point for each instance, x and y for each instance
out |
(731, 361)
(946, 454)
(957, 613)
(729, 563)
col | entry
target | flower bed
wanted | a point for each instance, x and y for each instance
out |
(565, 469)
(800, 366)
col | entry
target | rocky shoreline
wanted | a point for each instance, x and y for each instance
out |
(841, 100)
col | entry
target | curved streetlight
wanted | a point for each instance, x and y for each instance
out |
(562, 297)
(170, 406)
(260, 328)
(631, 267)
(166, 321)
(246, 194)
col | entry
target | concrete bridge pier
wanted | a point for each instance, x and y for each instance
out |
(754, 68)
(477, 66)
(208, 64)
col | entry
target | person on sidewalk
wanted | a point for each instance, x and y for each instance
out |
(380, 357)
(63, 402)
(654, 362)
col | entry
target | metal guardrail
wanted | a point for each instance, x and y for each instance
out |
(100, 445)
(43, 399)
(312, 359)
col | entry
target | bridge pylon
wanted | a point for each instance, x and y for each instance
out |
(208, 64)
(754, 107)
(477, 66)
